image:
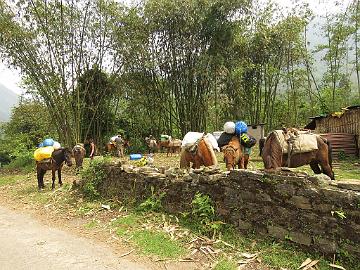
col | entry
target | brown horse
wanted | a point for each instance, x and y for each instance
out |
(202, 153)
(151, 144)
(79, 154)
(172, 146)
(234, 154)
(55, 163)
(111, 147)
(273, 156)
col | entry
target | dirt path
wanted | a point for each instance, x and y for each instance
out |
(29, 244)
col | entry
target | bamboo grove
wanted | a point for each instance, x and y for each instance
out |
(173, 66)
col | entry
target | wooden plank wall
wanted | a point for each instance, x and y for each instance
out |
(345, 130)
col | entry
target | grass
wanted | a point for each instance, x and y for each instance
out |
(10, 179)
(157, 243)
(92, 224)
(226, 264)
(130, 220)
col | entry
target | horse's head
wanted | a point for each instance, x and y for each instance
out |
(67, 156)
(79, 154)
(229, 156)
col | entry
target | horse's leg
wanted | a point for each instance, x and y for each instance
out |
(315, 167)
(241, 163)
(326, 169)
(53, 179)
(59, 176)
(40, 177)
(246, 161)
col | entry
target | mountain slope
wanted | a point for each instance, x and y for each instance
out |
(8, 99)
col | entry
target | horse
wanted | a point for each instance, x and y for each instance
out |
(172, 146)
(79, 153)
(111, 147)
(55, 163)
(234, 154)
(201, 153)
(273, 156)
(151, 144)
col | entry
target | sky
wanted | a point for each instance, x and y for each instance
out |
(11, 78)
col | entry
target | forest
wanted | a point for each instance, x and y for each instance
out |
(95, 68)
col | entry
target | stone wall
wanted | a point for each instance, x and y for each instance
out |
(310, 211)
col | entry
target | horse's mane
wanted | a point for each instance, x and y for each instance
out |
(232, 147)
(211, 150)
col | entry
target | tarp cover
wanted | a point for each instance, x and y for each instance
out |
(43, 153)
(304, 142)
(224, 139)
(192, 137)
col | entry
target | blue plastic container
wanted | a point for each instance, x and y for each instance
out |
(240, 127)
(41, 145)
(48, 142)
(135, 156)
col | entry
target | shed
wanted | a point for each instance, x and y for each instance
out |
(257, 131)
(341, 128)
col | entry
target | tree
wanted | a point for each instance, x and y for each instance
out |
(52, 43)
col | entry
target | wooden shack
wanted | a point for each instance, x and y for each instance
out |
(342, 129)
(257, 131)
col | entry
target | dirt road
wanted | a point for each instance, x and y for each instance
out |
(27, 244)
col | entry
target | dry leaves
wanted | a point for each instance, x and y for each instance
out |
(309, 264)
(247, 258)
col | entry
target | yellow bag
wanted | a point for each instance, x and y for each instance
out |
(43, 153)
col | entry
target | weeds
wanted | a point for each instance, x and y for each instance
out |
(226, 264)
(153, 203)
(157, 243)
(203, 212)
(92, 177)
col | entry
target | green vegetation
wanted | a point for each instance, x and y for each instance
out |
(92, 176)
(10, 179)
(92, 224)
(158, 243)
(153, 203)
(203, 215)
(226, 264)
(250, 67)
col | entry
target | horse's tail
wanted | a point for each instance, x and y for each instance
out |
(261, 145)
(329, 151)
(211, 151)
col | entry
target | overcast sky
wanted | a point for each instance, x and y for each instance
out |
(11, 78)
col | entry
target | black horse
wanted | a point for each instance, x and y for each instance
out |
(55, 163)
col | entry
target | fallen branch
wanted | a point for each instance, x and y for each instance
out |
(127, 253)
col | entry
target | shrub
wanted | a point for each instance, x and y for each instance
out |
(153, 203)
(92, 177)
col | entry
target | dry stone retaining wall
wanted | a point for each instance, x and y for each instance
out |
(309, 211)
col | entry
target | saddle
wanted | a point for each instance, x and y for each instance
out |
(193, 148)
(46, 160)
(294, 141)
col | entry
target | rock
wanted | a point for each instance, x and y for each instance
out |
(277, 232)
(243, 225)
(128, 168)
(300, 202)
(325, 245)
(349, 184)
(285, 190)
(300, 238)
(320, 179)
